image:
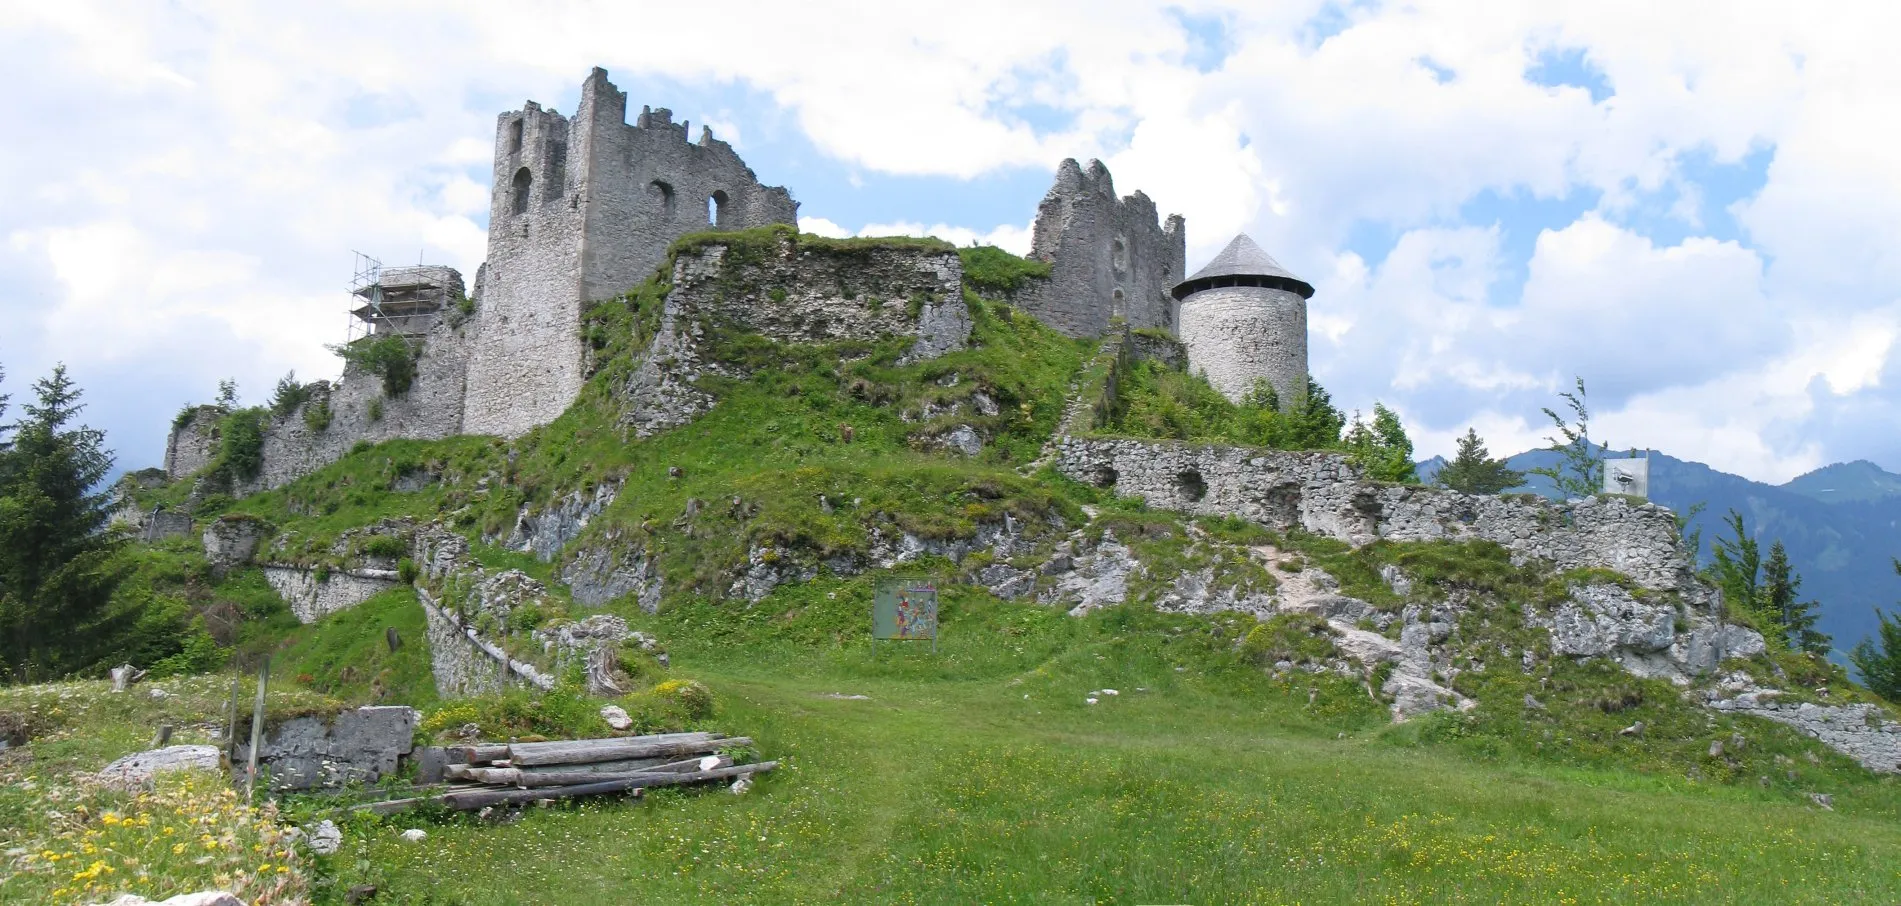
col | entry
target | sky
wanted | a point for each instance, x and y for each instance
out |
(1694, 207)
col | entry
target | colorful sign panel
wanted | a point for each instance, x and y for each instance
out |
(905, 609)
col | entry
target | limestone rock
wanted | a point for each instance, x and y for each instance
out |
(205, 898)
(138, 769)
(1599, 619)
(616, 717)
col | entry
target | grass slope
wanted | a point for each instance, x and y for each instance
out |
(980, 775)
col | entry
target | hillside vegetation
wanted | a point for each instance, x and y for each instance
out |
(1143, 751)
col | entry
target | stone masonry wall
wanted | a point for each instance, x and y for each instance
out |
(584, 209)
(311, 599)
(1108, 257)
(191, 445)
(1324, 494)
(797, 294)
(1238, 334)
(1861, 732)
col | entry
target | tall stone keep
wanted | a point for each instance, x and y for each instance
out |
(1108, 256)
(583, 209)
(1244, 318)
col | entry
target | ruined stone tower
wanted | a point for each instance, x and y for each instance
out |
(1244, 318)
(1108, 256)
(584, 209)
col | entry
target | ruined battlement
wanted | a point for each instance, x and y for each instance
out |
(1109, 257)
(583, 209)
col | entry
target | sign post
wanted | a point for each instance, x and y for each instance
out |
(904, 609)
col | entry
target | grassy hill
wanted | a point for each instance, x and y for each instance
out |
(1240, 757)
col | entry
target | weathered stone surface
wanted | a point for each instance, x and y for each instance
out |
(599, 574)
(312, 598)
(232, 540)
(358, 745)
(1324, 494)
(583, 209)
(1109, 257)
(193, 442)
(1239, 334)
(162, 523)
(616, 717)
(545, 532)
(1599, 619)
(138, 769)
(1860, 731)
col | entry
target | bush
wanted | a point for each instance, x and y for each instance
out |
(387, 547)
(387, 356)
(406, 571)
(1302, 638)
(201, 654)
(241, 444)
(317, 418)
(288, 395)
(375, 410)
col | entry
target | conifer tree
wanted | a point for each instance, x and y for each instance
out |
(1878, 660)
(1473, 471)
(1382, 447)
(55, 577)
(1738, 563)
(1795, 617)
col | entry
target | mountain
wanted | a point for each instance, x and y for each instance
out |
(1841, 525)
(1856, 481)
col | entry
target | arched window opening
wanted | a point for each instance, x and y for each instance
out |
(662, 195)
(514, 137)
(524, 183)
(716, 208)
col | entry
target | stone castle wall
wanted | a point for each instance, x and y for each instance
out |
(191, 445)
(796, 294)
(1238, 334)
(582, 210)
(1108, 256)
(1324, 494)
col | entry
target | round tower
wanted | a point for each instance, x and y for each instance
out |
(1244, 318)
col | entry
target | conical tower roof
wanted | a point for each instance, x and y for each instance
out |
(1243, 263)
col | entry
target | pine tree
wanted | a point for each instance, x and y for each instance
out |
(1473, 471)
(1795, 617)
(1737, 564)
(55, 577)
(1880, 664)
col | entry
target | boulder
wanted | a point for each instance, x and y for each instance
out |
(1599, 619)
(138, 769)
(205, 898)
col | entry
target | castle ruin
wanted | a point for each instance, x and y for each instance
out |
(585, 208)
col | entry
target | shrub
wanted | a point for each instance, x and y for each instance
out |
(387, 356)
(1302, 638)
(288, 395)
(387, 547)
(406, 571)
(376, 409)
(317, 418)
(241, 444)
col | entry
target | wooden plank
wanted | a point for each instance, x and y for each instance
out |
(617, 766)
(566, 778)
(538, 753)
(479, 754)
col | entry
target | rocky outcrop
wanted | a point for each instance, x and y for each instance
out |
(231, 540)
(1860, 731)
(546, 531)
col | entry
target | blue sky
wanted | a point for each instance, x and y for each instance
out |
(1695, 215)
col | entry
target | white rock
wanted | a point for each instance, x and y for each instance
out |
(616, 717)
(1090, 700)
(158, 693)
(709, 762)
(415, 835)
(138, 769)
(205, 898)
(1110, 692)
(324, 838)
(741, 785)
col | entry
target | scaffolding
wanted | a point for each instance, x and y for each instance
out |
(366, 282)
(401, 301)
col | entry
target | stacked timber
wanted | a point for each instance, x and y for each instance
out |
(516, 772)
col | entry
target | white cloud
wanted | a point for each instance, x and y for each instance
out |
(200, 170)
